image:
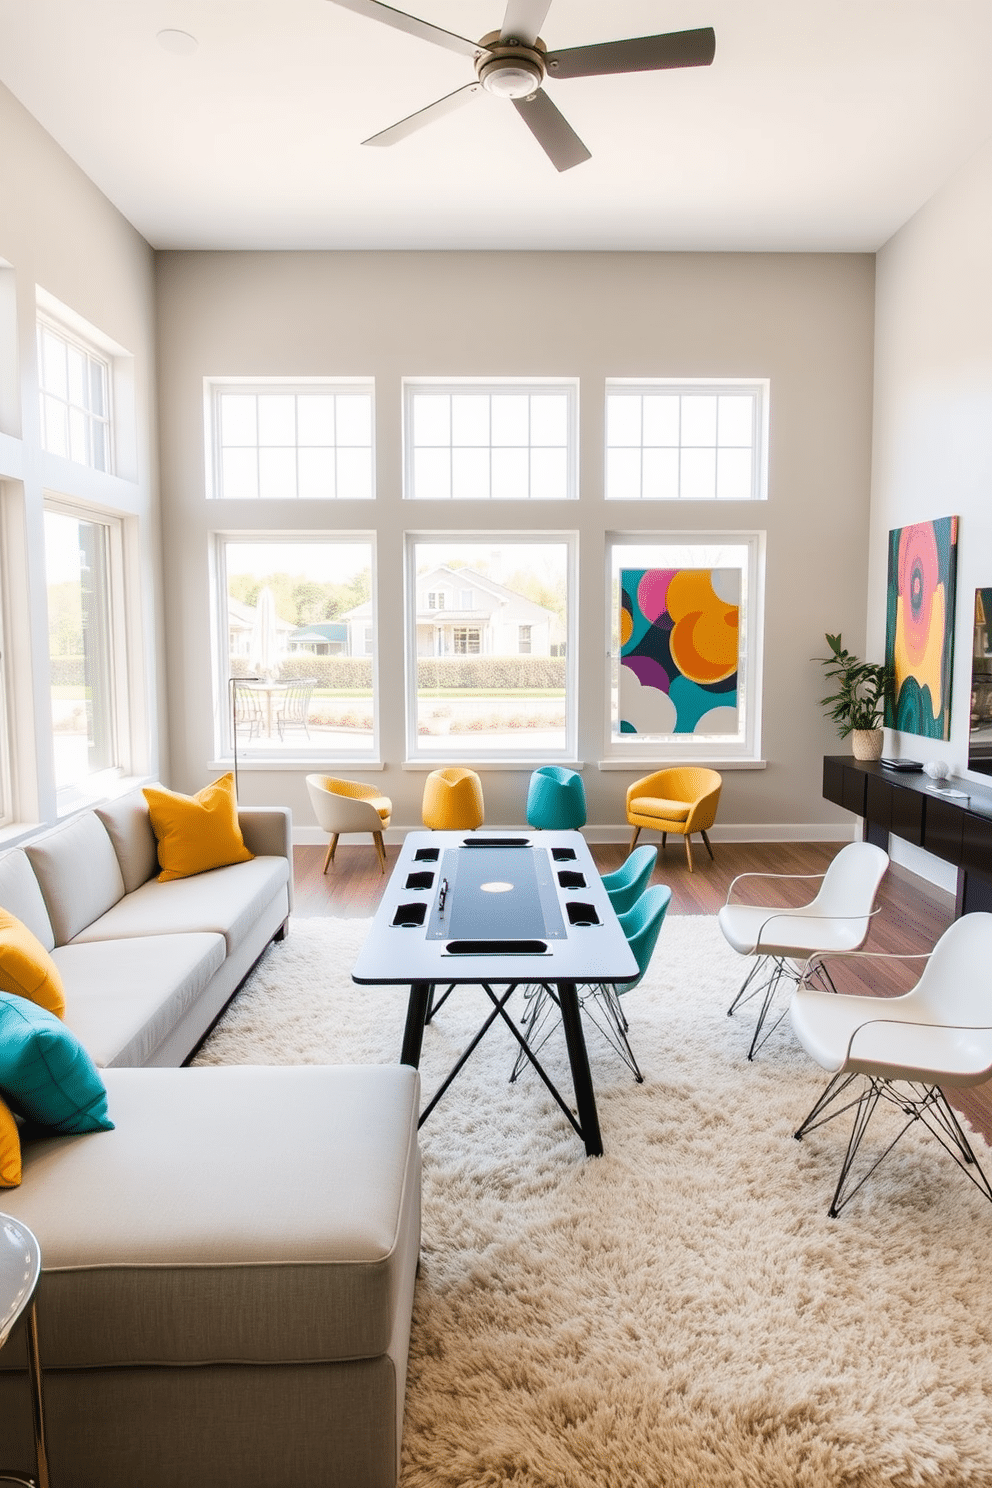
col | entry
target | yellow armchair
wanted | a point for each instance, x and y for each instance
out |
(683, 800)
(349, 806)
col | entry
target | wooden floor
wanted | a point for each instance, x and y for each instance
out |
(912, 917)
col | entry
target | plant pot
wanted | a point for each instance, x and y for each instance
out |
(867, 743)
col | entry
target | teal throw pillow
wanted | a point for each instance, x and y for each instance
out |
(45, 1073)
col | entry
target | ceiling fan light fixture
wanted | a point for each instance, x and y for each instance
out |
(510, 77)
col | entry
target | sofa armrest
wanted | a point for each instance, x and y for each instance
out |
(268, 832)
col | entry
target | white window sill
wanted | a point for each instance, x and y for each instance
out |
(646, 762)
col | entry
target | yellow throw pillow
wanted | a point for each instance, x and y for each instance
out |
(196, 833)
(26, 968)
(10, 1148)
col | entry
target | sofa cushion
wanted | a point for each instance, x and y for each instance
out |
(78, 871)
(26, 968)
(10, 1148)
(185, 1236)
(20, 893)
(127, 996)
(45, 1073)
(196, 833)
(227, 901)
(129, 827)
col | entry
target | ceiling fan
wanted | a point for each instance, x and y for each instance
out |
(514, 61)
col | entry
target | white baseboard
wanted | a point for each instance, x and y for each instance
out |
(762, 832)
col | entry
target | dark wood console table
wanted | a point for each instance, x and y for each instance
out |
(907, 805)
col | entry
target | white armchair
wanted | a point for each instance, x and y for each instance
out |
(349, 806)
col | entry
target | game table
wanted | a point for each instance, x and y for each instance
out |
(498, 909)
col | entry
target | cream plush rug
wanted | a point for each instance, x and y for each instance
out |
(680, 1311)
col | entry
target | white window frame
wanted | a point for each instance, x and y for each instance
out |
(98, 359)
(493, 387)
(248, 757)
(646, 549)
(484, 538)
(216, 388)
(757, 389)
(70, 797)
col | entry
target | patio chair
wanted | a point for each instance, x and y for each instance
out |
(904, 1050)
(294, 707)
(249, 717)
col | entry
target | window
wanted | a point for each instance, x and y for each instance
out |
(485, 442)
(309, 443)
(471, 690)
(74, 381)
(523, 645)
(435, 599)
(685, 620)
(468, 640)
(296, 640)
(682, 442)
(82, 563)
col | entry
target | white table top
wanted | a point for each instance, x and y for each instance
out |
(537, 893)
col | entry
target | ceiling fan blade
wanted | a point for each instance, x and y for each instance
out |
(413, 122)
(638, 54)
(523, 20)
(412, 25)
(552, 131)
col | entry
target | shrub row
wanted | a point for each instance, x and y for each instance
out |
(474, 673)
(68, 671)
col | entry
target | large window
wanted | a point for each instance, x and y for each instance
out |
(685, 621)
(85, 647)
(490, 442)
(75, 397)
(685, 442)
(296, 642)
(308, 443)
(488, 660)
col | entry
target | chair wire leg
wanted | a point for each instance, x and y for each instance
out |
(835, 1088)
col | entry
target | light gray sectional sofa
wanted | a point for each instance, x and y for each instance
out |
(228, 1274)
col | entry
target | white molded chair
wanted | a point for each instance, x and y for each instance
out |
(781, 939)
(349, 806)
(905, 1049)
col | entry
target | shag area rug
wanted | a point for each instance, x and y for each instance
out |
(680, 1311)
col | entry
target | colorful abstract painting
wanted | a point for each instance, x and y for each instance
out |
(679, 651)
(919, 626)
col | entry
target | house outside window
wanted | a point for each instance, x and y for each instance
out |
(306, 442)
(435, 599)
(74, 382)
(296, 647)
(469, 687)
(685, 658)
(83, 562)
(480, 441)
(670, 441)
(524, 643)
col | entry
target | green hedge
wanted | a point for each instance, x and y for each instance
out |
(68, 671)
(474, 673)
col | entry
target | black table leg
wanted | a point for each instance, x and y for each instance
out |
(416, 1017)
(585, 1099)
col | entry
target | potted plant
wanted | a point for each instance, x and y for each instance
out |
(858, 705)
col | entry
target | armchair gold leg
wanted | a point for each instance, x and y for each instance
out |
(377, 836)
(330, 850)
(688, 850)
(708, 848)
(637, 833)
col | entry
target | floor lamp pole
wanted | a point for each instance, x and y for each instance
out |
(232, 683)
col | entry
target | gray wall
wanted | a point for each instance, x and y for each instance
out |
(805, 321)
(933, 421)
(60, 234)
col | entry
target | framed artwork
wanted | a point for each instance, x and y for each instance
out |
(679, 651)
(919, 626)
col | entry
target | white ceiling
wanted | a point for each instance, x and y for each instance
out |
(818, 127)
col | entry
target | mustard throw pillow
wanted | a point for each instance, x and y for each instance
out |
(10, 1148)
(198, 832)
(26, 968)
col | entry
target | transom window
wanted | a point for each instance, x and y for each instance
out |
(74, 382)
(308, 444)
(685, 442)
(472, 442)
